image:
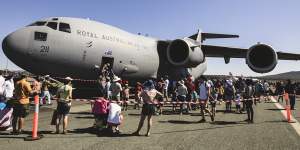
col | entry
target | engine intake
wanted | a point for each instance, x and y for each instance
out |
(183, 53)
(261, 58)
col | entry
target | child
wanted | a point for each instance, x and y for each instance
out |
(125, 97)
(238, 103)
(213, 101)
(138, 91)
(114, 118)
(100, 111)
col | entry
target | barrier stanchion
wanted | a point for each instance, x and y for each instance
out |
(35, 135)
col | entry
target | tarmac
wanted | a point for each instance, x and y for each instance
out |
(170, 131)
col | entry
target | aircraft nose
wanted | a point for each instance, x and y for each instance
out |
(16, 43)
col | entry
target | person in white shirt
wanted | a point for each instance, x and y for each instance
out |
(181, 92)
(114, 117)
(166, 86)
(204, 93)
(9, 88)
(2, 81)
(116, 89)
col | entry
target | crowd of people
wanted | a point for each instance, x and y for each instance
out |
(189, 94)
(185, 95)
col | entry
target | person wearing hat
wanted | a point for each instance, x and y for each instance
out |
(116, 89)
(125, 96)
(21, 109)
(182, 92)
(45, 94)
(64, 95)
(229, 93)
(204, 93)
(148, 95)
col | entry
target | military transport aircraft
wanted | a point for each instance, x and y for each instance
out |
(63, 46)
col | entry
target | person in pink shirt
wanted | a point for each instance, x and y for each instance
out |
(148, 95)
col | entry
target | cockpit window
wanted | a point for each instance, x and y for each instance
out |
(64, 27)
(40, 36)
(38, 23)
(52, 25)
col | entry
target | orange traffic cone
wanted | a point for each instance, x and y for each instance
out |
(288, 113)
(286, 96)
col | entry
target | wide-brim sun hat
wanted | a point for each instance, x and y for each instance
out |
(116, 79)
(69, 79)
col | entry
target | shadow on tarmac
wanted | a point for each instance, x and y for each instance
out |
(85, 117)
(210, 128)
(102, 133)
(197, 122)
(179, 122)
(81, 113)
(274, 109)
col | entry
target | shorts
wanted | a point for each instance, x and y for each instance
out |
(228, 98)
(101, 118)
(148, 109)
(248, 104)
(21, 110)
(116, 98)
(213, 103)
(181, 98)
(165, 93)
(194, 96)
(63, 108)
(202, 102)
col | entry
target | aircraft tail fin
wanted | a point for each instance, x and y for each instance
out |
(203, 36)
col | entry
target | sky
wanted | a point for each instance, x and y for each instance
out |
(273, 22)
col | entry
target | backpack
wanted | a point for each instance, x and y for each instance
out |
(100, 106)
(249, 91)
(229, 90)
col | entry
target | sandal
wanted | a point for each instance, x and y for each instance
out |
(136, 134)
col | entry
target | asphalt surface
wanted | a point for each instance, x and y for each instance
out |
(170, 131)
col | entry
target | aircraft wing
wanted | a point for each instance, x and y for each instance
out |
(230, 52)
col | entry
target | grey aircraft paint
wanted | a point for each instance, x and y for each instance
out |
(64, 46)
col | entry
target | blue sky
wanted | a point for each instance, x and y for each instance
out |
(274, 22)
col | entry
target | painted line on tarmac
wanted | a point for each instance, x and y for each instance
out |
(295, 124)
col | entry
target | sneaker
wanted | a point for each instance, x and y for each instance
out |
(247, 120)
(8, 129)
(212, 118)
(118, 132)
(136, 134)
(65, 132)
(202, 120)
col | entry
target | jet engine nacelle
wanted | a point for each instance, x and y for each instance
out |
(261, 58)
(183, 53)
